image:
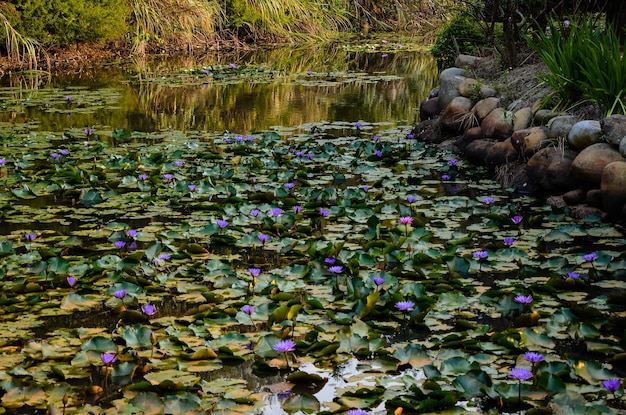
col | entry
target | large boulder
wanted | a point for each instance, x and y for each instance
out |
(500, 153)
(449, 81)
(485, 106)
(588, 165)
(429, 108)
(549, 170)
(584, 133)
(457, 116)
(527, 142)
(522, 119)
(614, 128)
(498, 124)
(560, 126)
(477, 150)
(613, 186)
(622, 146)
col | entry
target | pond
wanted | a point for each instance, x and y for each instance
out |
(259, 233)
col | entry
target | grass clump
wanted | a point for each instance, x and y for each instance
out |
(585, 62)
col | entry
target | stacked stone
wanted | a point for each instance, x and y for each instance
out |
(583, 161)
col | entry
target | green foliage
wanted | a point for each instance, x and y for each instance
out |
(63, 22)
(585, 62)
(462, 34)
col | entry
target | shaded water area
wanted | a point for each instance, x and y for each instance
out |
(256, 234)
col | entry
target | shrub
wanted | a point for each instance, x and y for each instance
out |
(461, 34)
(584, 62)
(63, 22)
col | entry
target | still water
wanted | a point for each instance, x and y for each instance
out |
(282, 87)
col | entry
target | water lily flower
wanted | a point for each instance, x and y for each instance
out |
(164, 256)
(179, 163)
(405, 220)
(205, 71)
(445, 177)
(68, 98)
(366, 188)
(324, 212)
(168, 176)
(523, 299)
(254, 213)
(411, 199)
(29, 237)
(533, 357)
(299, 153)
(263, 238)
(378, 280)
(453, 162)
(573, 275)
(276, 212)
(297, 209)
(356, 412)
(336, 269)
(376, 138)
(285, 346)
(488, 200)
(480, 254)
(108, 358)
(120, 244)
(358, 125)
(71, 281)
(142, 177)
(148, 309)
(3, 161)
(233, 65)
(64, 152)
(192, 187)
(405, 305)
(611, 385)
(521, 374)
(227, 140)
(384, 55)
(289, 185)
(309, 72)
(132, 233)
(54, 155)
(330, 260)
(255, 272)
(590, 257)
(517, 219)
(88, 131)
(378, 153)
(309, 156)
(120, 294)
(222, 223)
(248, 309)
(384, 41)
(508, 241)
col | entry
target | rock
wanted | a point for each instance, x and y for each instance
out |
(522, 119)
(588, 165)
(457, 116)
(543, 116)
(556, 202)
(488, 91)
(536, 139)
(449, 81)
(462, 61)
(560, 126)
(476, 151)
(500, 153)
(549, 170)
(498, 124)
(429, 108)
(613, 186)
(594, 198)
(574, 197)
(470, 88)
(585, 211)
(613, 128)
(470, 135)
(584, 133)
(427, 131)
(485, 106)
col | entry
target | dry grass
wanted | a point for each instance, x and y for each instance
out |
(21, 50)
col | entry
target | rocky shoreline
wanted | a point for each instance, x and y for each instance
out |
(577, 162)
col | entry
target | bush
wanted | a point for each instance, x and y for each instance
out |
(585, 62)
(64, 22)
(461, 34)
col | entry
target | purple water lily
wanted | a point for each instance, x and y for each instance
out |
(222, 223)
(297, 209)
(108, 358)
(324, 212)
(521, 374)
(405, 305)
(285, 346)
(508, 241)
(517, 219)
(248, 309)
(533, 357)
(336, 269)
(480, 254)
(148, 309)
(523, 299)
(611, 385)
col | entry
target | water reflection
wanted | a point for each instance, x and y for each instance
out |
(122, 95)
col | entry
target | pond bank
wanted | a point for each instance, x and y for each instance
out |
(577, 159)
